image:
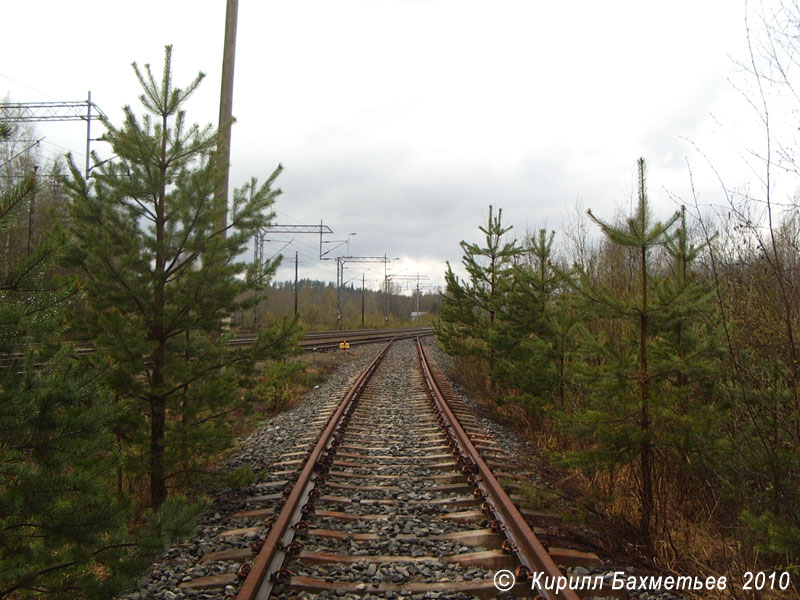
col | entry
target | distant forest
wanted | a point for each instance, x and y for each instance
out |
(317, 306)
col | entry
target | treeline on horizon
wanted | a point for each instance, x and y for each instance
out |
(317, 306)
(658, 365)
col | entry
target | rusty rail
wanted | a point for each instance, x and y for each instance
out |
(526, 545)
(258, 584)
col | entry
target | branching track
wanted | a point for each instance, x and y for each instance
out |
(395, 496)
(313, 341)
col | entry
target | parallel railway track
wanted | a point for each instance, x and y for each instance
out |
(322, 340)
(314, 341)
(328, 340)
(393, 494)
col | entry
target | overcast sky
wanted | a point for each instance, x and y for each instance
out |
(402, 120)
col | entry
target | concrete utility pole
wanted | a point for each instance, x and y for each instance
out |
(226, 110)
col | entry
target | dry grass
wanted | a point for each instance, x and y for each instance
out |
(316, 367)
(692, 538)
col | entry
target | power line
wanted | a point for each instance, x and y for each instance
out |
(22, 112)
(45, 141)
(298, 243)
(340, 262)
(33, 89)
(261, 236)
(21, 152)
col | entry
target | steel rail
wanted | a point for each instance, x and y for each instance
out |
(334, 345)
(351, 332)
(317, 337)
(258, 584)
(526, 545)
(315, 340)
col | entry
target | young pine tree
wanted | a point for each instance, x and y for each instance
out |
(687, 354)
(60, 525)
(469, 308)
(531, 347)
(161, 277)
(629, 363)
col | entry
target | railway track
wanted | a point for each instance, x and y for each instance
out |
(329, 340)
(393, 491)
(313, 341)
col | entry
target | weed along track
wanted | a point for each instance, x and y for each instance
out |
(391, 492)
